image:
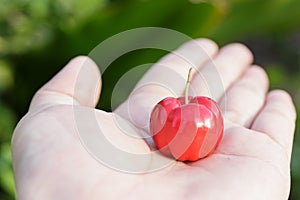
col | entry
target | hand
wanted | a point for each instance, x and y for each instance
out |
(251, 162)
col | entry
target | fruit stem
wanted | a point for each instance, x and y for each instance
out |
(188, 81)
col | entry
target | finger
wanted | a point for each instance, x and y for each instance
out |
(221, 72)
(246, 97)
(166, 78)
(79, 82)
(277, 119)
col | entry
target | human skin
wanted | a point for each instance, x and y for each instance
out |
(251, 162)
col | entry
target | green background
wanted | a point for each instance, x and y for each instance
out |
(37, 37)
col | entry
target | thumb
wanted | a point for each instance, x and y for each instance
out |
(78, 83)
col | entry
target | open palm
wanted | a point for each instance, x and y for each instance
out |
(51, 161)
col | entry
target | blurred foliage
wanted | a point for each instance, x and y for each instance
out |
(6, 76)
(37, 37)
(6, 175)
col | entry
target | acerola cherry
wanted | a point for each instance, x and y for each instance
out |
(187, 128)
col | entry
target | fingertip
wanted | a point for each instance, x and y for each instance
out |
(259, 70)
(87, 85)
(81, 60)
(283, 98)
(239, 50)
(278, 93)
(79, 82)
(208, 45)
(260, 74)
(199, 46)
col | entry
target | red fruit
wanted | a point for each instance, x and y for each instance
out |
(186, 129)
